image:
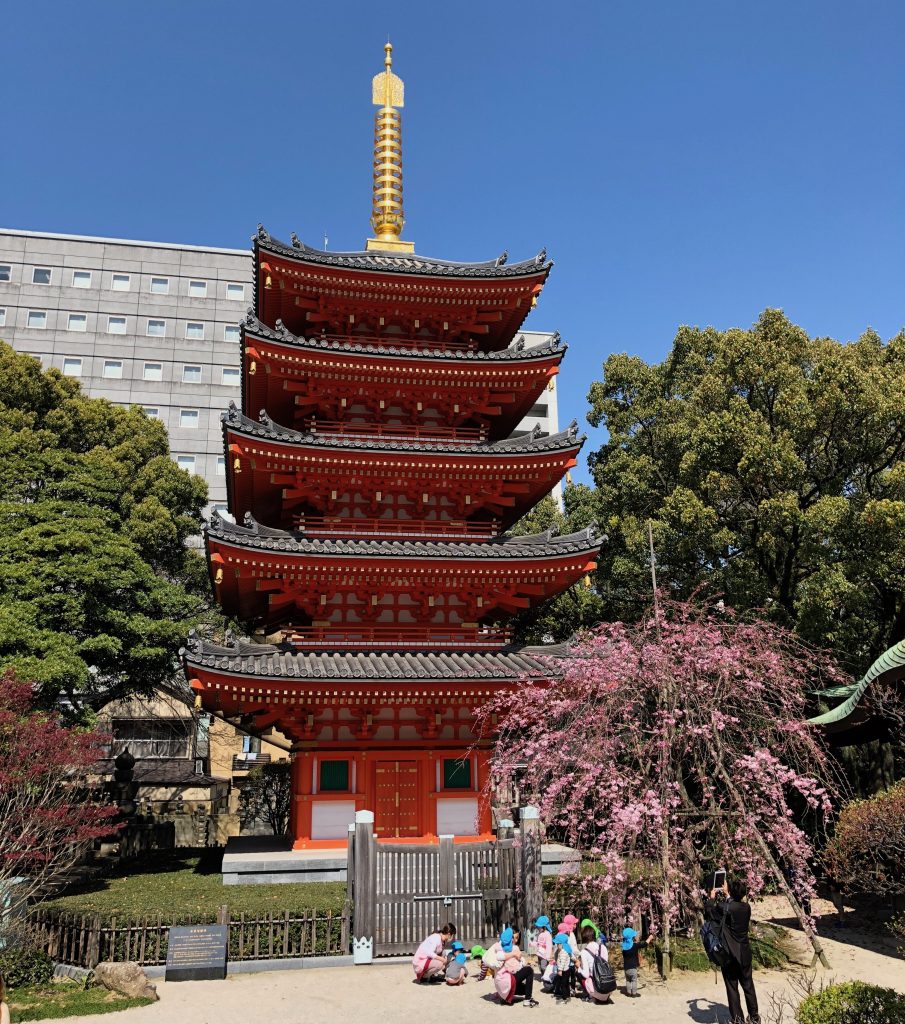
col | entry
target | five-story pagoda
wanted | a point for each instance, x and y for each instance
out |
(372, 474)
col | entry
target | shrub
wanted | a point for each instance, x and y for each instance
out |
(20, 966)
(865, 854)
(853, 1002)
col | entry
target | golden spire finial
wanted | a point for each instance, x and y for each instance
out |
(387, 220)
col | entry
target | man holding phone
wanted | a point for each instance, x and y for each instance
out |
(733, 915)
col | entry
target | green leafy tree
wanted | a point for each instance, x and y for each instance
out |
(97, 586)
(771, 466)
(265, 797)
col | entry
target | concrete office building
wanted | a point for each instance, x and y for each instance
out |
(149, 324)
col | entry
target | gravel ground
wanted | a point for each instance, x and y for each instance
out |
(386, 994)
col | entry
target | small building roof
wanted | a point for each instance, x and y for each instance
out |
(167, 771)
(853, 713)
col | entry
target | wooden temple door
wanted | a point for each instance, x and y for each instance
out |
(397, 793)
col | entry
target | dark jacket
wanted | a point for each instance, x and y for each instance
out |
(734, 918)
(630, 957)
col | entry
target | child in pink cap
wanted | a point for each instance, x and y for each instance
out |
(567, 927)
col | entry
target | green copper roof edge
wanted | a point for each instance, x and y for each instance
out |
(889, 660)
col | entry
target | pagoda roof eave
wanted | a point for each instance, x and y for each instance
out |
(283, 664)
(545, 545)
(402, 263)
(552, 347)
(532, 443)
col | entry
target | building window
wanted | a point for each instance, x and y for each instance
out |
(230, 377)
(236, 292)
(116, 325)
(113, 368)
(77, 322)
(334, 777)
(41, 275)
(188, 419)
(160, 286)
(2, 316)
(37, 318)
(231, 332)
(194, 331)
(456, 774)
(5, 272)
(153, 371)
(198, 289)
(186, 462)
(251, 744)
(154, 738)
(81, 279)
(72, 367)
(221, 465)
(151, 411)
(191, 375)
(121, 282)
(157, 328)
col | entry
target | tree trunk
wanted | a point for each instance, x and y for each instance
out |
(771, 860)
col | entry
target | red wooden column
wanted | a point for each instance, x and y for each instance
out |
(485, 819)
(301, 798)
(429, 795)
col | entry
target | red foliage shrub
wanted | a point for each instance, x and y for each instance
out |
(48, 814)
(867, 852)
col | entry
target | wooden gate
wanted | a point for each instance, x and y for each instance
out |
(401, 892)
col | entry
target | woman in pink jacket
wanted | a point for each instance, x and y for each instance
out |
(514, 977)
(429, 961)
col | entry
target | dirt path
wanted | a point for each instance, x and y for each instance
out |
(385, 994)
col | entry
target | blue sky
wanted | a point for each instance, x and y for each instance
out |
(683, 162)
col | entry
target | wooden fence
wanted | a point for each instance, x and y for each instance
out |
(86, 940)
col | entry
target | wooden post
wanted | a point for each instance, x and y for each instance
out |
(505, 828)
(350, 863)
(222, 914)
(532, 865)
(447, 870)
(365, 868)
(94, 942)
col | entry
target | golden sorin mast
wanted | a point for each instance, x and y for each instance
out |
(386, 214)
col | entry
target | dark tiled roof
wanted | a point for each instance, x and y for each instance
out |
(539, 545)
(533, 443)
(171, 771)
(269, 660)
(518, 350)
(402, 263)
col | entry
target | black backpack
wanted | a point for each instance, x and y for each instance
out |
(602, 977)
(714, 946)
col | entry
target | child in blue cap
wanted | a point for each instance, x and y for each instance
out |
(562, 960)
(631, 960)
(456, 971)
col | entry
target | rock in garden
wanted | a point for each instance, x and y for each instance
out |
(128, 979)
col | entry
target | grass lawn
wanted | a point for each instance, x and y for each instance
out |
(185, 884)
(65, 999)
